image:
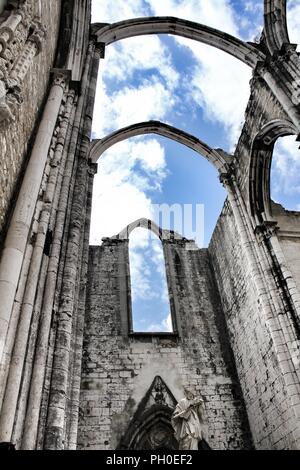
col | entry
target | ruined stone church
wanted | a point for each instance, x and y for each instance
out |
(73, 372)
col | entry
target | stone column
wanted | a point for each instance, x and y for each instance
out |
(13, 83)
(73, 411)
(56, 420)
(40, 360)
(16, 239)
(21, 341)
(9, 26)
(31, 49)
(290, 106)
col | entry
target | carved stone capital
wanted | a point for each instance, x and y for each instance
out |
(5, 113)
(38, 35)
(100, 49)
(61, 77)
(260, 70)
(8, 28)
(10, 98)
(266, 230)
(93, 168)
(287, 50)
(227, 179)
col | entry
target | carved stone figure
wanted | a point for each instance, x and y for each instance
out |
(187, 421)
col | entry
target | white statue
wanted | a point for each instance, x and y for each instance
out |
(187, 421)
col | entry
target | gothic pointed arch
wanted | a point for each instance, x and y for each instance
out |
(128, 310)
(243, 51)
(275, 29)
(149, 225)
(150, 428)
(216, 157)
(260, 166)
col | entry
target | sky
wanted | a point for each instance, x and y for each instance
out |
(193, 87)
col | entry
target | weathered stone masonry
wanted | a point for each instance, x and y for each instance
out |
(251, 335)
(118, 368)
(18, 107)
(71, 373)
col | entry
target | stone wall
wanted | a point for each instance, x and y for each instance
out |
(271, 419)
(289, 238)
(262, 108)
(118, 368)
(16, 137)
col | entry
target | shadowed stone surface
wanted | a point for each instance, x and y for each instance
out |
(72, 373)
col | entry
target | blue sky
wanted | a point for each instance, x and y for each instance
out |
(190, 86)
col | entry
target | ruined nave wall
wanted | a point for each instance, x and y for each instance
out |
(268, 407)
(119, 368)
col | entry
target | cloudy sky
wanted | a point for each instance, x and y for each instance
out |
(190, 86)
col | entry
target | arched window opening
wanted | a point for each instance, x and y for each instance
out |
(171, 79)
(285, 173)
(136, 177)
(150, 306)
(175, 78)
(177, 82)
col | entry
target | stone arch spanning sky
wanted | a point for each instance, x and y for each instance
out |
(189, 86)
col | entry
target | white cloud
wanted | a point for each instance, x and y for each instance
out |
(145, 254)
(293, 15)
(285, 178)
(218, 83)
(108, 11)
(167, 323)
(126, 57)
(119, 195)
(148, 282)
(254, 6)
(130, 105)
(215, 13)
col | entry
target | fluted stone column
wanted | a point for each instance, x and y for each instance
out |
(31, 49)
(21, 341)
(9, 26)
(60, 380)
(16, 239)
(41, 355)
(14, 68)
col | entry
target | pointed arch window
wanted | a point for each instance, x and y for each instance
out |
(150, 310)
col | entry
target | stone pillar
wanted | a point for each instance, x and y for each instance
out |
(9, 26)
(16, 239)
(21, 341)
(56, 419)
(31, 49)
(73, 412)
(61, 229)
(10, 82)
